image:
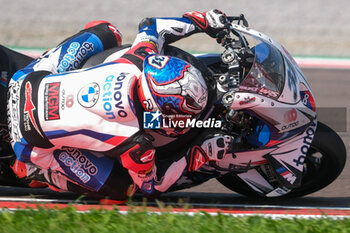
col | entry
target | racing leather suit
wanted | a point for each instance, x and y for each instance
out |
(65, 120)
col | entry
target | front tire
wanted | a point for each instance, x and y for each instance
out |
(324, 162)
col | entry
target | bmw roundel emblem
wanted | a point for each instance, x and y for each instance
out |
(88, 95)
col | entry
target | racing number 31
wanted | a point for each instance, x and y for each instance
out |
(158, 61)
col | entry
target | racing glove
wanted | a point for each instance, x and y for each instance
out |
(211, 22)
(213, 147)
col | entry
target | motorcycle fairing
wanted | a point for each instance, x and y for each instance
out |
(256, 181)
(287, 163)
(286, 174)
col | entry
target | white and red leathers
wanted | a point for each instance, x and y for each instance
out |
(65, 120)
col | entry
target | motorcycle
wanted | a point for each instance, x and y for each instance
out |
(261, 97)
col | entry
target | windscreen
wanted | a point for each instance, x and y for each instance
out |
(267, 74)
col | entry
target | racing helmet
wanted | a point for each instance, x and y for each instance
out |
(173, 88)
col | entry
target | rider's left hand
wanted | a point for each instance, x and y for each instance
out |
(213, 147)
(217, 146)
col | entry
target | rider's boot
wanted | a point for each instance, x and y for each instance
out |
(28, 174)
(35, 177)
(118, 35)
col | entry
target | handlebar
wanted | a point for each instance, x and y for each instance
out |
(238, 58)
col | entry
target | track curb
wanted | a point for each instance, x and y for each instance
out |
(281, 213)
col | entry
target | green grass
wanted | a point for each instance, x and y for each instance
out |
(69, 220)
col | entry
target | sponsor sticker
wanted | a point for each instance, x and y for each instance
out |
(67, 100)
(74, 56)
(84, 167)
(290, 116)
(52, 101)
(88, 95)
(247, 100)
(112, 96)
(198, 159)
(29, 108)
(308, 100)
(307, 140)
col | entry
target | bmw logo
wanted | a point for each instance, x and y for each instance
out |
(88, 95)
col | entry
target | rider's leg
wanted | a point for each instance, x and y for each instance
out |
(118, 186)
(78, 171)
(75, 50)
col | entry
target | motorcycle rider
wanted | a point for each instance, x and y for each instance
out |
(77, 129)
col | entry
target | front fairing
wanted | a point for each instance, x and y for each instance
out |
(275, 91)
(289, 80)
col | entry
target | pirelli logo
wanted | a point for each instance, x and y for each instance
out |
(52, 101)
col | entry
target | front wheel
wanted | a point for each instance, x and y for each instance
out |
(324, 162)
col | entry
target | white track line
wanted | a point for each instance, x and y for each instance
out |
(234, 213)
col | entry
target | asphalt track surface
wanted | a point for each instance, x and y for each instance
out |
(330, 88)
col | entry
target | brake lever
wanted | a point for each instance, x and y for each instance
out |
(239, 18)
